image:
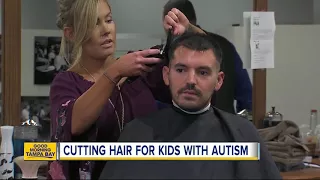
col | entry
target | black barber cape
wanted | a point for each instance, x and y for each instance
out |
(173, 125)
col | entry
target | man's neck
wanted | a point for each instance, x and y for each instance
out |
(206, 108)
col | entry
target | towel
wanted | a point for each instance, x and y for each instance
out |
(288, 161)
(284, 143)
(289, 144)
(284, 154)
(295, 167)
(279, 131)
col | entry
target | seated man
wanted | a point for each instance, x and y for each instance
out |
(237, 85)
(193, 74)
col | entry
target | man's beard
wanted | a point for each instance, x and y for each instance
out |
(197, 93)
(190, 88)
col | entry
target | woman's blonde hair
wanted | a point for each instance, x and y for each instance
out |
(81, 16)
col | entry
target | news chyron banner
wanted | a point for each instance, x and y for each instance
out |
(80, 151)
(40, 151)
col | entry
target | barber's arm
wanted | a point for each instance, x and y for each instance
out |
(177, 21)
(243, 87)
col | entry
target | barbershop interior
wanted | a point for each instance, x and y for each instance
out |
(279, 96)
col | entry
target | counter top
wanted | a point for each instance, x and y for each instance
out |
(308, 173)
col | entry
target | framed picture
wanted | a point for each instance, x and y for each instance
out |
(47, 62)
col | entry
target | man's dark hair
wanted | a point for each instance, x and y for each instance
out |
(185, 6)
(197, 42)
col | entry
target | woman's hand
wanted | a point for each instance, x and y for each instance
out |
(177, 21)
(136, 63)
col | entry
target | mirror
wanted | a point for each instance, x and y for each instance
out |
(132, 27)
(148, 32)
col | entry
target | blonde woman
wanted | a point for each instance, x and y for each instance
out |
(94, 99)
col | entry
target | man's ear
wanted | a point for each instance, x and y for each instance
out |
(165, 74)
(68, 33)
(220, 79)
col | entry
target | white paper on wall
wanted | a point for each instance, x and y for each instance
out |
(262, 54)
(259, 32)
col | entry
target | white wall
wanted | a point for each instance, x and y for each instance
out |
(292, 11)
(316, 11)
(293, 85)
(144, 16)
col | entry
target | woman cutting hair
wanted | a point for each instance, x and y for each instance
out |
(95, 98)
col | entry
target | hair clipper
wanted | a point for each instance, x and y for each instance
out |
(164, 48)
(163, 55)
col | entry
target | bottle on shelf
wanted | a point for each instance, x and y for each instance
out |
(313, 119)
(312, 135)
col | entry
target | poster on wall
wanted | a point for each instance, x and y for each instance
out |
(47, 62)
